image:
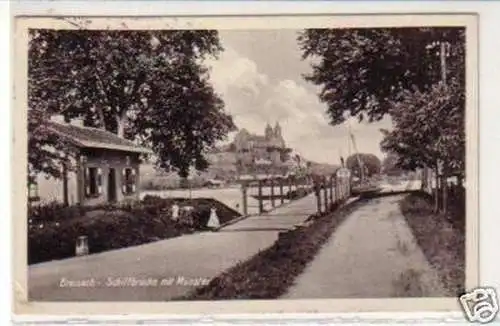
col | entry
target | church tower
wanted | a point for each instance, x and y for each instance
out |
(269, 133)
(277, 130)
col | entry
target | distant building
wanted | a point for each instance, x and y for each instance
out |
(266, 151)
(106, 168)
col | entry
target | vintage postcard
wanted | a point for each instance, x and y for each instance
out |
(247, 164)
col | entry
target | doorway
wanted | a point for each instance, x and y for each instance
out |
(112, 185)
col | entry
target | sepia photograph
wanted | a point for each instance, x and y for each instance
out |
(242, 162)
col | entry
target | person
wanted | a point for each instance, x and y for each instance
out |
(213, 221)
(175, 211)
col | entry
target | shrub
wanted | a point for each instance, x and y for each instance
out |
(105, 231)
(53, 211)
(114, 226)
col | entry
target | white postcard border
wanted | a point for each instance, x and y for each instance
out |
(213, 308)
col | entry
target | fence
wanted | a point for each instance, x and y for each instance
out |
(446, 190)
(331, 190)
(280, 188)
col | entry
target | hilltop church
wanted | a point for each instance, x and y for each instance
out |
(268, 149)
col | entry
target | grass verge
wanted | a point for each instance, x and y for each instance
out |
(270, 273)
(442, 243)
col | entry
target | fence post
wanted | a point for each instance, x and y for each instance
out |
(341, 191)
(346, 194)
(317, 191)
(281, 191)
(272, 192)
(261, 206)
(245, 199)
(325, 193)
(341, 188)
(331, 189)
(335, 192)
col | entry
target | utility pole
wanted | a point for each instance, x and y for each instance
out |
(360, 162)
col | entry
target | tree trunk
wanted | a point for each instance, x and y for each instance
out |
(445, 194)
(436, 192)
(101, 118)
(120, 125)
(425, 179)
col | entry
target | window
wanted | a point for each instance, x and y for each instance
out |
(93, 182)
(128, 184)
(33, 192)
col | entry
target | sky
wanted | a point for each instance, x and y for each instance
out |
(260, 78)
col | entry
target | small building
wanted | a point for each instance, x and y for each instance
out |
(105, 169)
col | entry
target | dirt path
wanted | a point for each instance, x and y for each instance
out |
(373, 254)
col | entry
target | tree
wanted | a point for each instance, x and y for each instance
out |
(370, 162)
(46, 151)
(429, 127)
(390, 165)
(362, 71)
(436, 120)
(147, 86)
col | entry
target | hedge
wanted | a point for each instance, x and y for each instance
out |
(110, 227)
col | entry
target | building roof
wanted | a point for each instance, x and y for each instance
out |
(87, 137)
(257, 138)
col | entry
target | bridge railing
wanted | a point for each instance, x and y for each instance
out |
(280, 189)
(331, 190)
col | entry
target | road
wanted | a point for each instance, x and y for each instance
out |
(137, 273)
(401, 186)
(372, 254)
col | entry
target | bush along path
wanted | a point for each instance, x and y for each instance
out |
(442, 238)
(53, 229)
(269, 273)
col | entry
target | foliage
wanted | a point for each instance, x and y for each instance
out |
(390, 165)
(371, 163)
(149, 86)
(400, 72)
(362, 71)
(54, 211)
(45, 148)
(429, 126)
(53, 229)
